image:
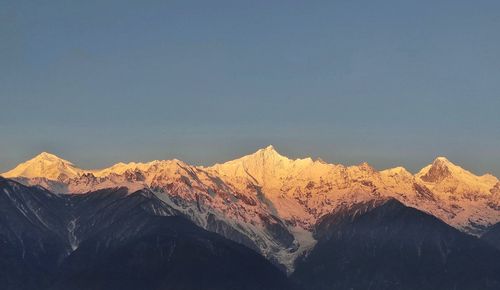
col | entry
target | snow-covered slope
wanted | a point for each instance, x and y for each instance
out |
(45, 165)
(467, 201)
(303, 190)
(271, 203)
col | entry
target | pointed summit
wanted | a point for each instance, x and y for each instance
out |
(263, 157)
(441, 161)
(270, 148)
(442, 168)
(45, 165)
(267, 151)
(439, 170)
(49, 157)
(365, 166)
(441, 158)
(47, 154)
(264, 166)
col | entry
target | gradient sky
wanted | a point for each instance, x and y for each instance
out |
(387, 82)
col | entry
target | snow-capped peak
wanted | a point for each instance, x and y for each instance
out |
(442, 162)
(252, 191)
(268, 152)
(265, 167)
(262, 158)
(45, 165)
(120, 168)
(442, 168)
(442, 159)
(397, 171)
(445, 176)
(46, 155)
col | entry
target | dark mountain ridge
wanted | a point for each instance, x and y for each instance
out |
(113, 240)
(386, 245)
(110, 239)
(492, 236)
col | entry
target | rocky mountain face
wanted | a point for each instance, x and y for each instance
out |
(271, 203)
(147, 251)
(386, 245)
(111, 239)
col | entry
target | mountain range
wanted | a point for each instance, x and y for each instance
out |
(326, 226)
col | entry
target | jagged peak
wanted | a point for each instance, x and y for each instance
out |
(266, 166)
(122, 167)
(364, 166)
(262, 156)
(265, 163)
(437, 171)
(269, 150)
(270, 147)
(442, 168)
(397, 170)
(441, 160)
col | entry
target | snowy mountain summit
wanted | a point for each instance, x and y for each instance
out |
(272, 203)
(45, 165)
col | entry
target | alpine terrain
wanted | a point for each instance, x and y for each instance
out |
(263, 221)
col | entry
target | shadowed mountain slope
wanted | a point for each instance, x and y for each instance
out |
(114, 240)
(386, 245)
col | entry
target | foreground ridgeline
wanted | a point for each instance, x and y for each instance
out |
(113, 240)
(247, 224)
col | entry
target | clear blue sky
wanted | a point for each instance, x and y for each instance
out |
(387, 82)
